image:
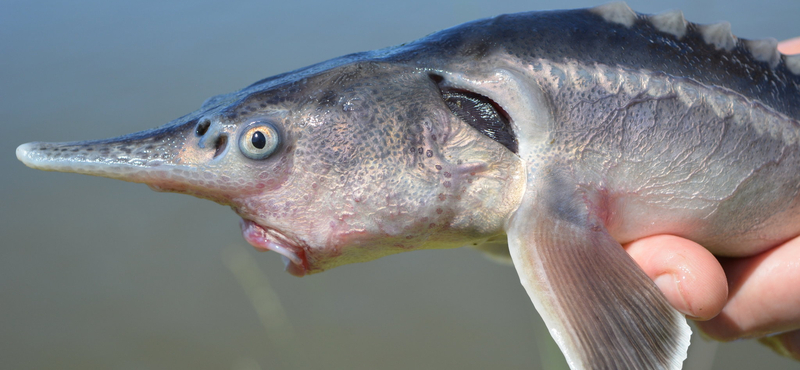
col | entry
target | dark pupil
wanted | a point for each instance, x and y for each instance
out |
(258, 140)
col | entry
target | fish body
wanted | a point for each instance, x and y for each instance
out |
(551, 137)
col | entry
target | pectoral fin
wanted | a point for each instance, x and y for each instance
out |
(600, 307)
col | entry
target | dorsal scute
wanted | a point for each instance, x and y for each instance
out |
(617, 12)
(764, 50)
(671, 22)
(793, 63)
(719, 35)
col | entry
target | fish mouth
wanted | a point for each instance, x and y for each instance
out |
(266, 239)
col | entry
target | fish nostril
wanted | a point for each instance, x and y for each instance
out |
(202, 127)
(220, 144)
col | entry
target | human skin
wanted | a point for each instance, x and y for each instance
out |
(789, 47)
(730, 298)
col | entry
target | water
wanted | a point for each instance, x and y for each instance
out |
(100, 274)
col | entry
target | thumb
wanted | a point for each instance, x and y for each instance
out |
(689, 275)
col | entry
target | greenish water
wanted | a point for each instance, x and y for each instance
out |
(99, 274)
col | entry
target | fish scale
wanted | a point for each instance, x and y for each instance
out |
(546, 137)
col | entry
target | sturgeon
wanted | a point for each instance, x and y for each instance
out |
(552, 137)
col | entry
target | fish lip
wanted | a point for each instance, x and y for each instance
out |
(267, 239)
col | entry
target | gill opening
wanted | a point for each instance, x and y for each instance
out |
(479, 111)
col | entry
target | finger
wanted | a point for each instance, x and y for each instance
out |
(789, 47)
(787, 344)
(688, 274)
(764, 295)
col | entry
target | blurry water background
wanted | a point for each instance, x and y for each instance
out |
(101, 274)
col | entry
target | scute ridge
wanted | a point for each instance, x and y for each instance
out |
(765, 50)
(719, 35)
(671, 22)
(617, 12)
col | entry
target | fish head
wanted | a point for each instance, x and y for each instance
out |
(337, 163)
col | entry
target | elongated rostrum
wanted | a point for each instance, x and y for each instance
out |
(550, 137)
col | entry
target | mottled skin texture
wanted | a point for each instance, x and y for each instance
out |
(369, 179)
(624, 131)
(655, 164)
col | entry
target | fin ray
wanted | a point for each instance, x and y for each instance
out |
(600, 307)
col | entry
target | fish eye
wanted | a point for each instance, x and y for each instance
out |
(259, 140)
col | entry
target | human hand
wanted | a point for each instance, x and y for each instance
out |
(764, 289)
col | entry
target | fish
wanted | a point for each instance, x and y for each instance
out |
(550, 138)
